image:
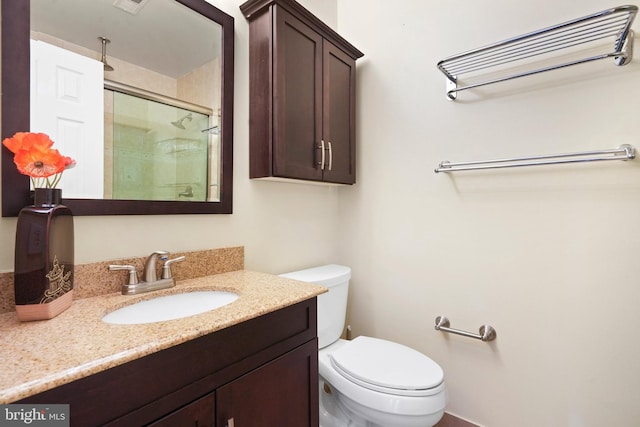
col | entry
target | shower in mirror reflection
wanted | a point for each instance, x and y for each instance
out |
(157, 151)
(212, 130)
(179, 123)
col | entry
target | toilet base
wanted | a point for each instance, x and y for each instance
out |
(337, 410)
(332, 413)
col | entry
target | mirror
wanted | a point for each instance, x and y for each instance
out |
(182, 113)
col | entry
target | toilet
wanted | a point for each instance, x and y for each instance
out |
(368, 382)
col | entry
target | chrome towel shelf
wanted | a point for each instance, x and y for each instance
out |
(487, 333)
(624, 152)
(615, 22)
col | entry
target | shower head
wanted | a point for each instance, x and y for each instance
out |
(179, 123)
(104, 42)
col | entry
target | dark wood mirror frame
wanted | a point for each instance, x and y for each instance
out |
(15, 118)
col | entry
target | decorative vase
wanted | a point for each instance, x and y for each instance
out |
(43, 273)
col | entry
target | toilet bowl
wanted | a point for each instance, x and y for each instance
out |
(369, 382)
(381, 383)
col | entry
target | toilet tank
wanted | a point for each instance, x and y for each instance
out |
(332, 305)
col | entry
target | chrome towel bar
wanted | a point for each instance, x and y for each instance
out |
(487, 333)
(624, 152)
(546, 44)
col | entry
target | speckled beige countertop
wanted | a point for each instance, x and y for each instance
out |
(37, 356)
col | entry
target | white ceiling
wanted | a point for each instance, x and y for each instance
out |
(164, 36)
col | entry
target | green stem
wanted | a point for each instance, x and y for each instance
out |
(56, 180)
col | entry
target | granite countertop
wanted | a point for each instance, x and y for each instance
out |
(38, 356)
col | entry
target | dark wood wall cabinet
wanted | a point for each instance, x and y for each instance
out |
(259, 373)
(302, 95)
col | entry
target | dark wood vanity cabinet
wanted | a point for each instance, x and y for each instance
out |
(302, 95)
(277, 394)
(259, 373)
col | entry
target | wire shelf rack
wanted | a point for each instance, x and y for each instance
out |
(548, 43)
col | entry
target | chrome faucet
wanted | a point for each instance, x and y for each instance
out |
(150, 274)
(151, 281)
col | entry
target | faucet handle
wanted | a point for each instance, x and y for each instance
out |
(166, 268)
(133, 273)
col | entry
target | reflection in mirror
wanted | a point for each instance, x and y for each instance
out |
(158, 150)
(150, 90)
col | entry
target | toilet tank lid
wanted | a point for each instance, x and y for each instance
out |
(326, 275)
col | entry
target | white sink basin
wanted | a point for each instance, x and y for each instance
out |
(170, 307)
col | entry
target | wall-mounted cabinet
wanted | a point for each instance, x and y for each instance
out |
(302, 95)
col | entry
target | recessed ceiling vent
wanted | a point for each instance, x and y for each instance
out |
(130, 6)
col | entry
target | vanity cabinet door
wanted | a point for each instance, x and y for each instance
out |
(282, 393)
(200, 413)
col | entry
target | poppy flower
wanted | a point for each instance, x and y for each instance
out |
(26, 140)
(39, 163)
(35, 157)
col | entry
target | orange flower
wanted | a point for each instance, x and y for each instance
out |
(39, 163)
(69, 162)
(26, 140)
(35, 157)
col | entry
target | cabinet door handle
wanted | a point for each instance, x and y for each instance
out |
(330, 156)
(322, 156)
(231, 423)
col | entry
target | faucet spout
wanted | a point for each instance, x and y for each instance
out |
(150, 272)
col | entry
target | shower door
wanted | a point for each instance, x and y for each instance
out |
(158, 151)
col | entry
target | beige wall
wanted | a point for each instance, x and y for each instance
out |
(548, 256)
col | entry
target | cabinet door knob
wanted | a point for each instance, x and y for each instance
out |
(322, 155)
(231, 423)
(330, 156)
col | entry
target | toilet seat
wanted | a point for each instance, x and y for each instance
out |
(387, 367)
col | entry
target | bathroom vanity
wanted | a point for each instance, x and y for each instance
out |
(227, 367)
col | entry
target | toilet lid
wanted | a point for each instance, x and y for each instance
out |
(386, 366)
